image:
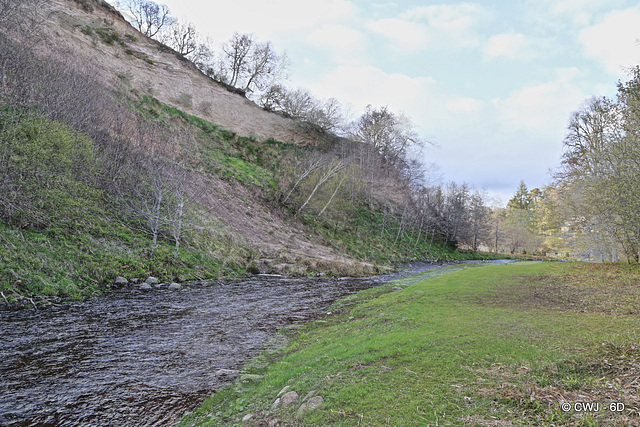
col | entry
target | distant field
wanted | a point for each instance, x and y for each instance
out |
(498, 345)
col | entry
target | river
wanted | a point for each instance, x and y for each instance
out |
(143, 358)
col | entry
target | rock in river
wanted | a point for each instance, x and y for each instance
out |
(120, 281)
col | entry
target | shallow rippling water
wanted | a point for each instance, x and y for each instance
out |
(137, 358)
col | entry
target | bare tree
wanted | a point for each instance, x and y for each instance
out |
(249, 65)
(478, 230)
(236, 52)
(184, 189)
(344, 176)
(329, 171)
(262, 67)
(300, 104)
(203, 57)
(148, 17)
(602, 165)
(181, 37)
(390, 134)
(273, 98)
(310, 165)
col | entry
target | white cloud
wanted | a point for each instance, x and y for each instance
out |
(345, 44)
(265, 19)
(575, 6)
(403, 34)
(512, 46)
(438, 26)
(564, 13)
(543, 108)
(364, 85)
(464, 105)
(457, 17)
(614, 40)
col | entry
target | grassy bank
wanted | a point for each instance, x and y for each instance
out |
(482, 345)
(56, 263)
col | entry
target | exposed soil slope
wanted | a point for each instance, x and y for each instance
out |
(127, 60)
(148, 67)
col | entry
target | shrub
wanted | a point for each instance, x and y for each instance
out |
(109, 35)
(87, 30)
(85, 5)
(48, 172)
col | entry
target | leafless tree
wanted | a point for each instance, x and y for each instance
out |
(300, 104)
(203, 57)
(249, 65)
(328, 172)
(307, 167)
(262, 67)
(181, 37)
(273, 98)
(236, 52)
(390, 134)
(148, 17)
(478, 228)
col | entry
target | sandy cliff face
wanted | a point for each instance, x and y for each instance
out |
(144, 65)
(140, 65)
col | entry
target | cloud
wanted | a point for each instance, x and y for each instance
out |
(512, 46)
(364, 85)
(614, 40)
(438, 26)
(542, 108)
(565, 13)
(464, 105)
(403, 34)
(456, 17)
(345, 44)
(267, 20)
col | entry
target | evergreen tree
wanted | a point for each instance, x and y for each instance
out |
(522, 198)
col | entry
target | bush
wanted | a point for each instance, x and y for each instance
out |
(48, 174)
(109, 35)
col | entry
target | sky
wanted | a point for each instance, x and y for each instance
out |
(489, 84)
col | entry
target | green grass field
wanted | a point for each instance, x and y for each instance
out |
(480, 345)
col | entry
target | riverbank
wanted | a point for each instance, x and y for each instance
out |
(484, 345)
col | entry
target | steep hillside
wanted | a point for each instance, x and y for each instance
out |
(95, 33)
(119, 158)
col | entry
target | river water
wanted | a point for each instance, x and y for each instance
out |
(142, 358)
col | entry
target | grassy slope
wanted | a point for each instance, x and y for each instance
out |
(488, 343)
(257, 165)
(76, 264)
(76, 259)
(84, 240)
